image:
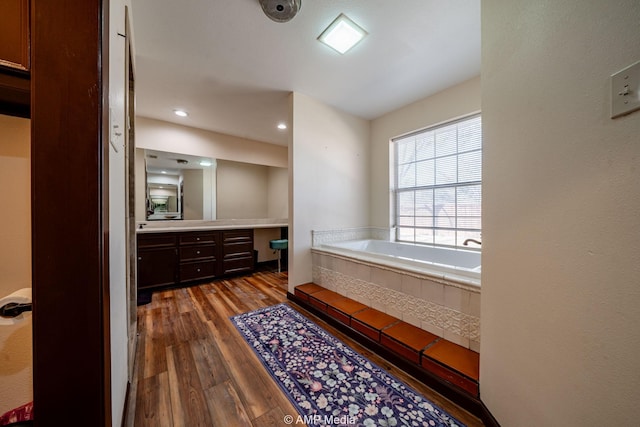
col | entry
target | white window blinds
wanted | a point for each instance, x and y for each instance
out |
(438, 187)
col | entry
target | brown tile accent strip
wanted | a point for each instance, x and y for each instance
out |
(457, 357)
(450, 375)
(407, 340)
(371, 321)
(449, 361)
(303, 291)
(348, 306)
(342, 309)
(338, 315)
(321, 299)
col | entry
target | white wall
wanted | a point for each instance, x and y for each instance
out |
(118, 239)
(561, 225)
(164, 136)
(16, 362)
(457, 101)
(329, 177)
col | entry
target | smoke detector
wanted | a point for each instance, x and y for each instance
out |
(280, 10)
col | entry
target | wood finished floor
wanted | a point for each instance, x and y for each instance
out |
(194, 369)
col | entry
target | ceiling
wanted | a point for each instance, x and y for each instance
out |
(232, 68)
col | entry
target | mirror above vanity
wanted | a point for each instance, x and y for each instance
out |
(187, 187)
(179, 186)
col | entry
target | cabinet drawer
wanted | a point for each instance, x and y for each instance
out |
(156, 240)
(238, 249)
(237, 236)
(237, 265)
(197, 270)
(197, 237)
(197, 252)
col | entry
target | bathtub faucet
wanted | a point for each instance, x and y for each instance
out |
(466, 242)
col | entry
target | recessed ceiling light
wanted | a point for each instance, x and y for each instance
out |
(180, 113)
(282, 126)
(205, 163)
(164, 171)
(342, 34)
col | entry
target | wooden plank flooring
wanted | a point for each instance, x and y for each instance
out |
(194, 369)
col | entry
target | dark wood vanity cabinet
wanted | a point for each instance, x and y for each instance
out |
(15, 59)
(173, 258)
(237, 249)
(197, 254)
(157, 260)
(14, 34)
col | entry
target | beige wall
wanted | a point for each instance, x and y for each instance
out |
(193, 193)
(457, 101)
(278, 197)
(329, 177)
(242, 190)
(561, 225)
(16, 370)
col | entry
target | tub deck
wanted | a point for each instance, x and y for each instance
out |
(446, 360)
(461, 266)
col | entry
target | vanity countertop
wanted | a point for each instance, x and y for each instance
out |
(194, 225)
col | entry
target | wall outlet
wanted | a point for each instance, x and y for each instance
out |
(625, 91)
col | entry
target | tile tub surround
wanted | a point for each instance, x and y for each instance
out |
(324, 237)
(442, 307)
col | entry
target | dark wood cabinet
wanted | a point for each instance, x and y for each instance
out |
(14, 34)
(174, 258)
(15, 58)
(197, 254)
(157, 260)
(237, 249)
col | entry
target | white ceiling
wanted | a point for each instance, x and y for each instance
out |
(232, 68)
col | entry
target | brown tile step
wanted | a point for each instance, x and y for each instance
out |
(322, 298)
(371, 321)
(454, 363)
(342, 309)
(407, 340)
(303, 291)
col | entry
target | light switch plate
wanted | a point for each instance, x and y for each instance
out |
(625, 91)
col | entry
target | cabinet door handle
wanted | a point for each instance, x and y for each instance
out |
(197, 238)
(139, 258)
(198, 270)
(197, 252)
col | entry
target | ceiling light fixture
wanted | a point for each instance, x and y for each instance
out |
(282, 126)
(342, 34)
(180, 113)
(205, 163)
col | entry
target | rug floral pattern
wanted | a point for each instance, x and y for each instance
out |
(325, 378)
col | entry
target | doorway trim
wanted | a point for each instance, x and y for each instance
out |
(70, 254)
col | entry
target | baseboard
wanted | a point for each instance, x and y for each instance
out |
(461, 398)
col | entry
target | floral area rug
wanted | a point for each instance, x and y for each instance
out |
(328, 382)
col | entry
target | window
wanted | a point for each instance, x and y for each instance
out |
(438, 184)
